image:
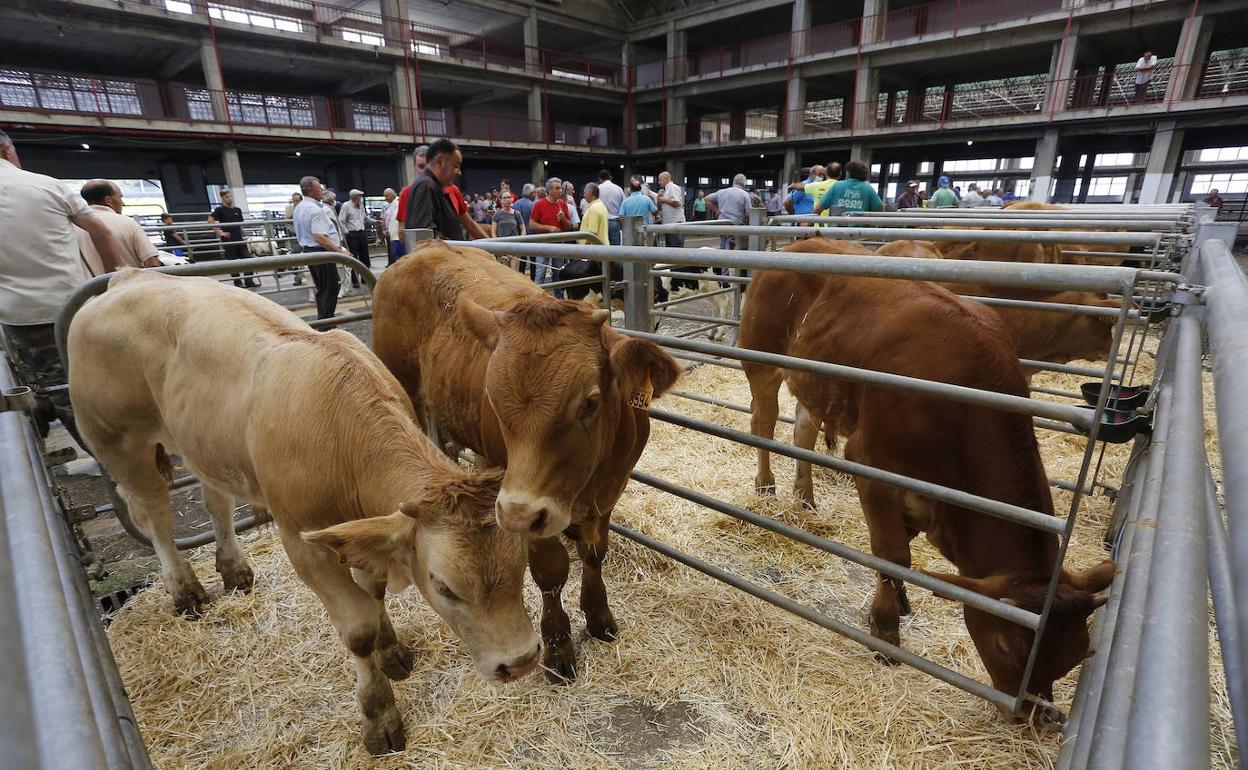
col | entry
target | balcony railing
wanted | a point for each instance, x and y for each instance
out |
(1225, 74)
(235, 111)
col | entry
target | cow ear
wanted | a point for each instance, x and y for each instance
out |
(482, 322)
(642, 366)
(1094, 579)
(990, 587)
(374, 544)
(600, 316)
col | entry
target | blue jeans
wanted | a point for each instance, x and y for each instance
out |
(555, 265)
(395, 251)
(613, 231)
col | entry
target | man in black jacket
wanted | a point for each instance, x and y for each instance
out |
(427, 204)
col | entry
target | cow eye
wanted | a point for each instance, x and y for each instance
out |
(443, 589)
(589, 407)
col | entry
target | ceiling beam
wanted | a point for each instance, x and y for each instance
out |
(178, 62)
(354, 85)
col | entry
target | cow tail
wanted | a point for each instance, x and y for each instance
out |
(163, 463)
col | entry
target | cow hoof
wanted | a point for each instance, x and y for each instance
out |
(603, 626)
(396, 661)
(384, 733)
(560, 663)
(887, 631)
(237, 578)
(191, 601)
(765, 485)
(807, 498)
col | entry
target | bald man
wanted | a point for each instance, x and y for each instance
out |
(134, 248)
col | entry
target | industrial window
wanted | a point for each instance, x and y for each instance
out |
(251, 18)
(704, 180)
(269, 110)
(353, 36)
(1027, 163)
(976, 164)
(1222, 154)
(371, 117)
(1233, 183)
(19, 88)
(584, 77)
(178, 6)
(891, 192)
(925, 167)
(1103, 186)
(1022, 188)
(429, 49)
(1115, 159)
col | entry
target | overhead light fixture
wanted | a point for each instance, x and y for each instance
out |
(621, 165)
(969, 142)
(545, 163)
(86, 146)
(298, 154)
(762, 156)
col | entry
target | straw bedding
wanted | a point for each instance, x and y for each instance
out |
(703, 676)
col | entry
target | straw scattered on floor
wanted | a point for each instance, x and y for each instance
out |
(703, 676)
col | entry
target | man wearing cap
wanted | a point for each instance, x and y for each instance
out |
(944, 197)
(910, 198)
(352, 216)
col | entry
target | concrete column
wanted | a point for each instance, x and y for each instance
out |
(400, 87)
(873, 20)
(1163, 162)
(628, 55)
(211, 65)
(407, 167)
(1042, 167)
(675, 167)
(792, 121)
(1189, 58)
(532, 54)
(394, 22)
(860, 151)
(1130, 192)
(801, 28)
(675, 108)
(234, 176)
(1061, 70)
(791, 169)
(866, 86)
(537, 122)
(537, 171)
(1067, 171)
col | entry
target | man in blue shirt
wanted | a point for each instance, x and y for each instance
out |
(637, 204)
(799, 202)
(853, 193)
(315, 230)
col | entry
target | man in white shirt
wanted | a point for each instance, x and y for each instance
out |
(611, 196)
(134, 248)
(671, 200)
(1144, 74)
(40, 266)
(317, 230)
(390, 225)
(351, 216)
(972, 198)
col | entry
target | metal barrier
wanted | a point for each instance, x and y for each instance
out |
(62, 703)
(1184, 514)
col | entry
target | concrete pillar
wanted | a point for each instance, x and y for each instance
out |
(1130, 192)
(537, 122)
(407, 167)
(1163, 162)
(793, 120)
(532, 53)
(1190, 57)
(628, 55)
(791, 169)
(405, 114)
(800, 41)
(675, 110)
(866, 85)
(1061, 70)
(676, 168)
(860, 151)
(1042, 166)
(211, 65)
(234, 176)
(394, 22)
(873, 20)
(537, 171)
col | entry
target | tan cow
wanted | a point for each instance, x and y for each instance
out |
(534, 383)
(252, 398)
(918, 329)
(1038, 335)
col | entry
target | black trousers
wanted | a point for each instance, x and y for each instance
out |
(357, 242)
(236, 251)
(325, 279)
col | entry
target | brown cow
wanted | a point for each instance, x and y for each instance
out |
(1039, 335)
(252, 398)
(534, 383)
(918, 329)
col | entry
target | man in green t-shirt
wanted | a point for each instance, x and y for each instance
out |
(854, 193)
(944, 197)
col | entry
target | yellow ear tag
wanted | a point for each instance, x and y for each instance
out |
(641, 397)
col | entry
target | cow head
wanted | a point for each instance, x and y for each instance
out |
(559, 384)
(470, 571)
(1085, 336)
(1004, 646)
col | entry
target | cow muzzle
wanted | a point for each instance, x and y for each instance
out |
(534, 517)
(517, 668)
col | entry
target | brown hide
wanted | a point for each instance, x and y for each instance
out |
(918, 329)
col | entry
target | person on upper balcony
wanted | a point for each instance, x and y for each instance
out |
(1144, 74)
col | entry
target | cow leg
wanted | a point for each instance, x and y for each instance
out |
(235, 572)
(146, 493)
(592, 548)
(548, 562)
(394, 657)
(355, 614)
(890, 540)
(764, 410)
(805, 435)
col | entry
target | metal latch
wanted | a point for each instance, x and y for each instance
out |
(19, 399)
(1188, 294)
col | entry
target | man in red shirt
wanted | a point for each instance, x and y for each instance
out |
(550, 215)
(470, 225)
(419, 159)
